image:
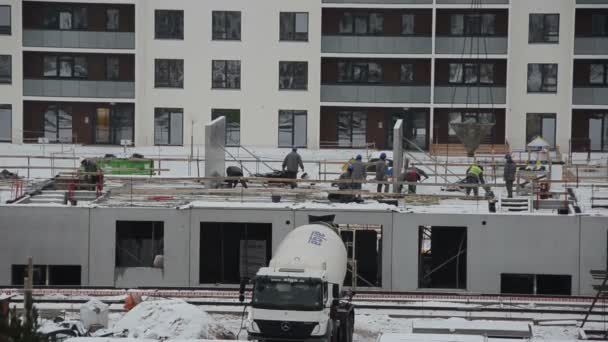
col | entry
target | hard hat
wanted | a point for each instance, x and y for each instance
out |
(359, 157)
(350, 167)
(382, 155)
(295, 149)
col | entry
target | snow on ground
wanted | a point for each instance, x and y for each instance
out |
(174, 319)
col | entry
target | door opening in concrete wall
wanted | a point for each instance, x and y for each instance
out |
(139, 243)
(536, 284)
(49, 275)
(442, 261)
(365, 243)
(231, 251)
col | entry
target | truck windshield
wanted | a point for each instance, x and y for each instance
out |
(288, 294)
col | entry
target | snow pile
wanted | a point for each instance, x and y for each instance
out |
(94, 312)
(170, 319)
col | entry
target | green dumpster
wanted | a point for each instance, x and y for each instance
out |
(122, 166)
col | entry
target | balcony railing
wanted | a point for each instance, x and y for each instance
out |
(471, 95)
(375, 93)
(376, 44)
(78, 88)
(591, 45)
(590, 96)
(78, 39)
(378, 1)
(472, 45)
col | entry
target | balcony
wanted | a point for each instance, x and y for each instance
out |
(591, 45)
(409, 2)
(78, 39)
(376, 44)
(79, 88)
(590, 96)
(474, 95)
(468, 2)
(477, 45)
(375, 93)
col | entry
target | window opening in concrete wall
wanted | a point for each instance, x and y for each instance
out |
(138, 243)
(536, 284)
(442, 261)
(365, 243)
(48, 275)
(231, 251)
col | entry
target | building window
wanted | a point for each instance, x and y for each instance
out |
(233, 125)
(168, 126)
(112, 19)
(407, 73)
(407, 24)
(113, 124)
(226, 75)
(599, 25)
(169, 73)
(598, 74)
(541, 125)
(169, 24)
(5, 20)
(473, 25)
(544, 28)
(293, 128)
(65, 67)
(352, 129)
(6, 72)
(359, 72)
(542, 78)
(226, 25)
(58, 124)
(471, 73)
(361, 24)
(536, 284)
(48, 275)
(72, 19)
(112, 68)
(138, 243)
(293, 75)
(6, 123)
(294, 26)
(597, 127)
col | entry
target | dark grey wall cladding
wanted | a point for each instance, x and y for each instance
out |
(378, 2)
(591, 2)
(468, 2)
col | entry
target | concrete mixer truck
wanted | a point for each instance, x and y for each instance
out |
(299, 296)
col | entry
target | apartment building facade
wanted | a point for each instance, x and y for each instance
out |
(314, 73)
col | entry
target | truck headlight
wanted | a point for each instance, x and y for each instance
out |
(320, 329)
(253, 327)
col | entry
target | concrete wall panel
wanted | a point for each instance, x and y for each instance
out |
(51, 236)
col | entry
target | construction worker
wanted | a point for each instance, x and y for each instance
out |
(343, 185)
(509, 174)
(381, 168)
(91, 171)
(474, 176)
(291, 162)
(359, 172)
(412, 175)
(235, 171)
